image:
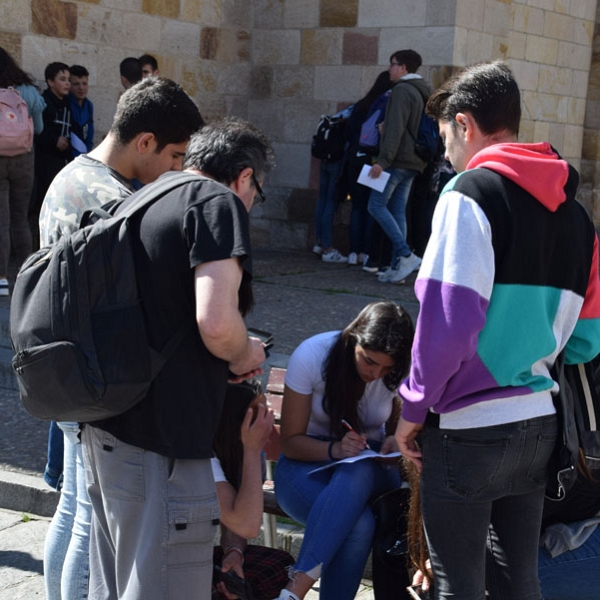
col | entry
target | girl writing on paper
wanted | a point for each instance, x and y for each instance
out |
(350, 375)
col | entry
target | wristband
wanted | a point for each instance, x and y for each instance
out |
(230, 549)
(329, 448)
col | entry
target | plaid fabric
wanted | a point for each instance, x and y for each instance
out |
(264, 569)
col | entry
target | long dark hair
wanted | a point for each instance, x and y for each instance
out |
(227, 443)
(380, 327)
(10, 73)
(382, 84)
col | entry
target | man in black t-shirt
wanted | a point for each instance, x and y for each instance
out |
(152, 489)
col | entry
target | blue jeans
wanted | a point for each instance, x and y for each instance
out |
(482, 494)
(53, 473)
(388, 208)
(327, 203)
(66, 551)
(574, 575)
(334, 506)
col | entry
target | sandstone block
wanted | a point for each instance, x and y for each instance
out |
(541, 50)
(543, 4)
(268, 14)
(11, 42)
(360, 48)
(497, 18)
(516, 45)
(555, 80)
(35, 51)
(162, 8)
(233, 79)
(14, 15)
(337, 83)
(206, 12)
(480, 47)
(280, 47)
(140, 29)
(339, 13)
(558, 26)
(434, 44)
(573, 56)
(527, 19)
(180, 38)
(268, 115)
(98, 25)
(573, 140)
(301, 14)
(54, 18)
(526, 74)
(293, 82)
(261, 82)
(440, 12)
(321, 47)
(411, 13)
(293, 165)
(470, 14)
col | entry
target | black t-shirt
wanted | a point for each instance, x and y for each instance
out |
(197, 223)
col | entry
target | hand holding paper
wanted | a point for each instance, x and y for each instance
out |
(375, 184)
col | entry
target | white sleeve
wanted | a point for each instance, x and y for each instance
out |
(217, 470)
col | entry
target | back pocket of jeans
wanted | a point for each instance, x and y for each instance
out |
(471, 466)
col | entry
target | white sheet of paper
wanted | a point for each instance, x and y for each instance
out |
(77, 143)
(364, 454)
(376, 184)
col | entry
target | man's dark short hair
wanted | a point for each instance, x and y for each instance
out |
(79, 71)
(488, 91)
(223, 149)
(148, 59)
(409, 58)
(131, 69)
(156, 105)
(53, 69)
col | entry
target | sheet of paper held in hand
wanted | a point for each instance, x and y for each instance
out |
(351, 459)
(376, 184)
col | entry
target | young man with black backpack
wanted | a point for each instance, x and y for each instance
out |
(151, 483)
(148, 137)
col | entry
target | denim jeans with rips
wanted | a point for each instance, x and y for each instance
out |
(335, 507)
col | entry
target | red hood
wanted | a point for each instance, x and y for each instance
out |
(536, 168)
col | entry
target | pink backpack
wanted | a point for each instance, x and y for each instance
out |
(16, 126)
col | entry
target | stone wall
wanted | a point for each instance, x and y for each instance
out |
(283, 63)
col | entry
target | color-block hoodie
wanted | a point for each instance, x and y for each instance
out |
(509, 278)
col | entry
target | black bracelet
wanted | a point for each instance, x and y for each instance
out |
(329, 450)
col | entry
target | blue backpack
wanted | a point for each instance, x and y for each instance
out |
(369, 131)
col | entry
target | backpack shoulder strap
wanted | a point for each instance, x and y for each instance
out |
(154, 191)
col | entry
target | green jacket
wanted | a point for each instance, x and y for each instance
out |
(404, 109)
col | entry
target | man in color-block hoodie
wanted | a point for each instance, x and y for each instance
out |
(508, 280)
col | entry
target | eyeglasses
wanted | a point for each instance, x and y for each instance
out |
(259, 191)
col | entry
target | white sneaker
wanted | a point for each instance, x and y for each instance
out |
(352, 258)
(287, 595)
(384, 276)
(333, 256)
(4, 291)
(317, 249)
(408, 264)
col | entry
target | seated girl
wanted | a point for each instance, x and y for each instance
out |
(338, 381)
(243, 431)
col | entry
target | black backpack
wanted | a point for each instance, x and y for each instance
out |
(578, 410)
(329, 142)
(76, 321)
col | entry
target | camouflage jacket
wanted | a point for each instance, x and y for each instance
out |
(83, 184)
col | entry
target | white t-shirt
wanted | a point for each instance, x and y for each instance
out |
(217, 470)
(304, 376)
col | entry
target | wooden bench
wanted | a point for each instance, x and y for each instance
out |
(274, 395)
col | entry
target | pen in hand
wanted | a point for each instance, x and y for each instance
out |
(350, 428)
